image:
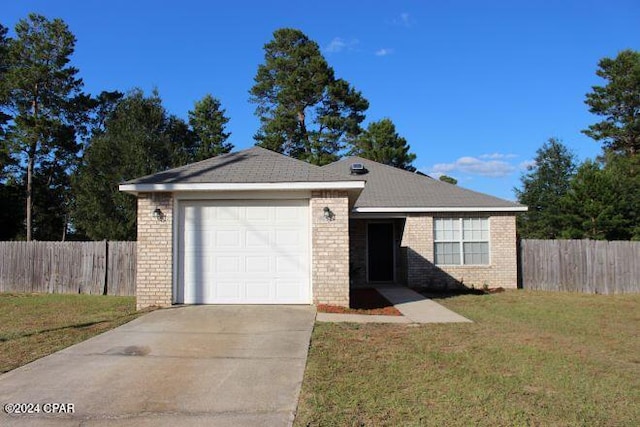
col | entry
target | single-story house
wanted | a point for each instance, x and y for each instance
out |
(258, 227)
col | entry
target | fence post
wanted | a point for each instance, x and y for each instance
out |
(519, 280)
(105, 289)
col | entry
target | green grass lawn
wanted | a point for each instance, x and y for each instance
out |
(35, 325)
(529, 359)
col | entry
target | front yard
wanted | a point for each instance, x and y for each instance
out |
(35, 325)
(530, 358)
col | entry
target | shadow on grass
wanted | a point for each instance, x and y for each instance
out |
(451, 293)
(83, 325)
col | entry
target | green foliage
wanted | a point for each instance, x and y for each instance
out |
(304, 111)
(543, 187)
(4, 117)
(207, 120)
(593, 205)
(626, 172)
(381, 143)
(135, 136)
(43, 95)
(12, 212)
(448, 179)
(618, 102)
(136, 141)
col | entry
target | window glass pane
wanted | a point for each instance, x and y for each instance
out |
(484, 228)
(476, 253)
(475, 229)
(447, 253)
(438, 227)
(446, 229)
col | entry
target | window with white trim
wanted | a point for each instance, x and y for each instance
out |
(461, 241)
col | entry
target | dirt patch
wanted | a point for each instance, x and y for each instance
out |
(363, 301)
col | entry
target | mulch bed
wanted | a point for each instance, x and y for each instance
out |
(363, 301)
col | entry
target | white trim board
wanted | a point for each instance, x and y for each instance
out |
(440, 209)
(332, 185)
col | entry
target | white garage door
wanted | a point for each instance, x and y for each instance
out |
(244, 252)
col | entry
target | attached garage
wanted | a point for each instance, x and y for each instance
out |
(243, 252)
(252, 227)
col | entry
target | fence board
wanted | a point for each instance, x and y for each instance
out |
(590, 266)
(68, 267)
(121, 271)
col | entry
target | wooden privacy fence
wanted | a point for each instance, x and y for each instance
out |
(103, 268)
(590, 266)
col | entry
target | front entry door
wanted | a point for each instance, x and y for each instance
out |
(380, 252)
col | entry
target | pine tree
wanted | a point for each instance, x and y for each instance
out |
(207, 121)
(618, 102)
(381, 143)
(44, 94)
(543, 189)
(304, 110)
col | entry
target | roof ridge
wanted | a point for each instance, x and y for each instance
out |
(394, 168)
(419, 179)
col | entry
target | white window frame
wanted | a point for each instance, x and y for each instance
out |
(461, 240)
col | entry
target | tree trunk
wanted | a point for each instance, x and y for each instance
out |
(31, 155)
(29, 194)
(303, 133)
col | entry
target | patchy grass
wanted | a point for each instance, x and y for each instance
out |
(363, 301)
(530, 358)
(35, 325)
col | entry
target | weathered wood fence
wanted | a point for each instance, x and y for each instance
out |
(103, 268)
(589, 266)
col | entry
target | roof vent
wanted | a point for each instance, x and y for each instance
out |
(358, 169)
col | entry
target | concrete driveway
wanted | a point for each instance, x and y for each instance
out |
(196, 365)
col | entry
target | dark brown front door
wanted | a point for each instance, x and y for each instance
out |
(380, 252)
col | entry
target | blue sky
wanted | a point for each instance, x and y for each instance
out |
(476, 87)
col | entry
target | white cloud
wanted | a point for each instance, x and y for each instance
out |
(404, 19)
(339, 44)
(527, 164)
(497, 156)
(475, 166)
(384, 52)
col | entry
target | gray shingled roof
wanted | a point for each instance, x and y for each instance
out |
(389, 187)
(386, 186)
(254, 165)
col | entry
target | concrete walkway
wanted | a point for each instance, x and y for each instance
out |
(415, 308)
(182, 366)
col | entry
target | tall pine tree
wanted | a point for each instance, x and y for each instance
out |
(207, 121)
(381, 143)
(543, 189)
(618, 102)
(136, 141)
(44, 95)
(304, 110)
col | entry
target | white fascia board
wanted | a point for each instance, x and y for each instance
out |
(439, 209)
(331, 185)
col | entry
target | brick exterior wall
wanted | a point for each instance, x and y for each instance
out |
(421, 272)
(154, 275)
(418, 239)
(330, 248)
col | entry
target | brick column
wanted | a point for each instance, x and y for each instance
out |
(504, 251)
(418, 239)
(330, 248)
(154, 276)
